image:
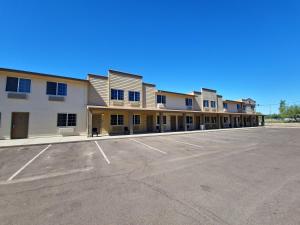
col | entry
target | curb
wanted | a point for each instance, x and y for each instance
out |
(130, 136)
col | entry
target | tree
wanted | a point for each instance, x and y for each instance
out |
(282, 108)
(293, 111)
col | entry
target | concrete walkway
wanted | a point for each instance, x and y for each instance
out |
(59, 139)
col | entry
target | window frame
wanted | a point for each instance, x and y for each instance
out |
(119, 94)
(188, 102)
(213, 104)
(134, 119)
(164, 120)
(206, 105)
(162, 98)
(118, 119)
(19, 79)
(67, 120)
(136, 96)
(56, 88)
(189, 120)
(225, 105)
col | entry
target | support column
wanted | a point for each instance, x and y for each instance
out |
(231, 121)
(130, 118)
(219, 121)
(184, 122)
(262, 120)
(89, 123)
(161, 120)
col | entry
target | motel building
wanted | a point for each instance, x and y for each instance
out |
(43, 105)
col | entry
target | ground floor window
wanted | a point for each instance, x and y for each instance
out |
(164, 120)
(136, 119)
(116, 119)
(66, 119)
(225, 119)
(189, 119)
(213, 119)
(206, 119)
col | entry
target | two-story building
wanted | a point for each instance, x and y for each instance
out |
(39, 105)
(35, 105)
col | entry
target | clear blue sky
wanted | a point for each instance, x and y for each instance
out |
(242, 48)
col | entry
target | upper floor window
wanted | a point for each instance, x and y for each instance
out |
(189, 102)
(238, 106)
(134, 96)
(136, 119)
(15, 84)
(161, 99)
(225, 105)
(213, 104)
(205, 103)
(189, 119)
(54, 88)
(117, 94)
(66, 119)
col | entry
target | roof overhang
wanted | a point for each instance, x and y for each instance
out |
(106, 108)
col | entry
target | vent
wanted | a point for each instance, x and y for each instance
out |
(17, 95)
(56, 98)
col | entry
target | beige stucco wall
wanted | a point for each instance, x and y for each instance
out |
(176, 101)
(43, 113)
(98, 91)
(149, 97)
(220, 104)
(210, 96)
(126, 83)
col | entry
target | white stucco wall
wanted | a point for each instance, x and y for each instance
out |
(42, 112)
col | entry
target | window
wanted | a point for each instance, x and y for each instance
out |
(161, 99)
(134, 96)
(54, 88)
(205, 103)
(214, 119)
(225, 119)
(225, 105)
(189, 119)
(66, 119)
(238, 106)
(213, 104)
(164, 120)
(136, 119)
(207, 120)
(116, 120)
(189, 102)
(15, 84)
(117, 94)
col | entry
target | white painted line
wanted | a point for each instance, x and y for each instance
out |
(148, 146)
(102, 152)
(186, 143)
(46, 176)
(27, 164)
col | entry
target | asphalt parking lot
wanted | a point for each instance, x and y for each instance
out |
(237, 176)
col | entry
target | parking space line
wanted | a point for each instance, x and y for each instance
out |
(148, 146)
(186, 143)
(102, 152)
(27, 164)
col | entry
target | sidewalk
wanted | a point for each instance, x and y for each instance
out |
(70, 139)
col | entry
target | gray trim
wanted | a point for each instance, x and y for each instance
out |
(124, 73)
(41, 74)
(17, 95)
(209, 90)
(56, 98)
